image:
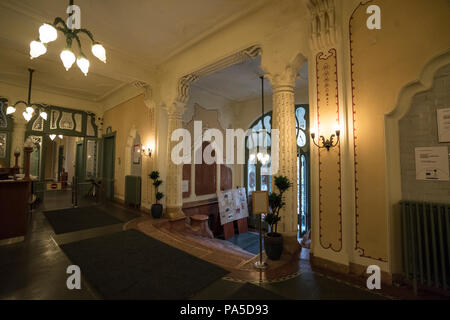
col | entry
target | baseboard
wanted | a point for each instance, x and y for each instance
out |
(122, 203)
(352, 269)
(328, 264)
(361, 271)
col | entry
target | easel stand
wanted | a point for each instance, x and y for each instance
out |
(260, 265)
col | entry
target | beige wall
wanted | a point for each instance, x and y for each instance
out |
(123, 119)
(372, 71)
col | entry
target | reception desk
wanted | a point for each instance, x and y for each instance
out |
(13, 210)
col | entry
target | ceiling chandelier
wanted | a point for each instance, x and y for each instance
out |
(49, 32)
(262, 156)
(29, 107)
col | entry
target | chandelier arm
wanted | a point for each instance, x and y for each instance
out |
(79, 42)
(86, 32)
(19, 102)
(59, 20)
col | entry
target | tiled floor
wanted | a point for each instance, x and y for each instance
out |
(36, 268)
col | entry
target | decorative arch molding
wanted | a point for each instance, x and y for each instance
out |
(392, 140)
(240, 56)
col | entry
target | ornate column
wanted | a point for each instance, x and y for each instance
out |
(283, 119)
(174, 196)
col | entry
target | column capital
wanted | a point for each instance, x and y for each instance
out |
(282, 76)
(176, 108)
(283, 81)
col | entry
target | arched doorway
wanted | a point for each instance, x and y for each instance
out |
(255, 180)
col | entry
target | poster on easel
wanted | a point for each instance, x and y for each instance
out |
(232, 205)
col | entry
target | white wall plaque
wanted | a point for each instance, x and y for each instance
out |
(443, 122)
(185, 186)
(432, 163)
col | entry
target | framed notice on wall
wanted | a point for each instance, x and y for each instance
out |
(432, 163)
(137, 154)
(232, 205)
(443, 122)
(260, 202)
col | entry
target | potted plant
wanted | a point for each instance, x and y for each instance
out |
(273, 241)
(157, 208)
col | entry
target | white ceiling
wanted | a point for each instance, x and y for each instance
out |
(138, 36)
(241, 82)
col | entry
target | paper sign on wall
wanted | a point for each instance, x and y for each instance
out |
(185, 186)
(443, 122)
(432, 163)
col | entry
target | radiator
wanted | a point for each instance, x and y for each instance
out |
(133, 190)
(426, 243)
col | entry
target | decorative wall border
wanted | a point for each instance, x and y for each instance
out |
(322, 56)
(355, 162)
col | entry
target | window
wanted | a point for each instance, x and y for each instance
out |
(255, 179)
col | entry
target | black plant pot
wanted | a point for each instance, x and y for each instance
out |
(157, 210)
(273, 245)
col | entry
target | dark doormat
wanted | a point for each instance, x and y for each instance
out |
(252, 292)
(132, 265)
(75, 219)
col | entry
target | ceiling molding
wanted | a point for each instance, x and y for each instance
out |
(258, 4)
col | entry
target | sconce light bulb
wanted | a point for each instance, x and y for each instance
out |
(83, 64)
(27, 116)
(43, 114)
(99, 51)
(47, 33)
(67, 58)
(37, 49)
(10, 110)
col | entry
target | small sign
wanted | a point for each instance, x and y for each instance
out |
(443, 122)
(185, 186)
(137, 154)
(432, 163)
(260, 202)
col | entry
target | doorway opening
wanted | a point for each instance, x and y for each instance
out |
(254, 180)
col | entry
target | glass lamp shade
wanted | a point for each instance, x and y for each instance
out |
(83, 64)
(37, 49)
(52, 136)
(29, 110)
(47, 33)
(99, 51)
(252, 157)
(27, 116)
(10, 110)
(67, 58)
(43, 115)
(60, 136)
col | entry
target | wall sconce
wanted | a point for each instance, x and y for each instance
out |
(147, 151)
(326, 143)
